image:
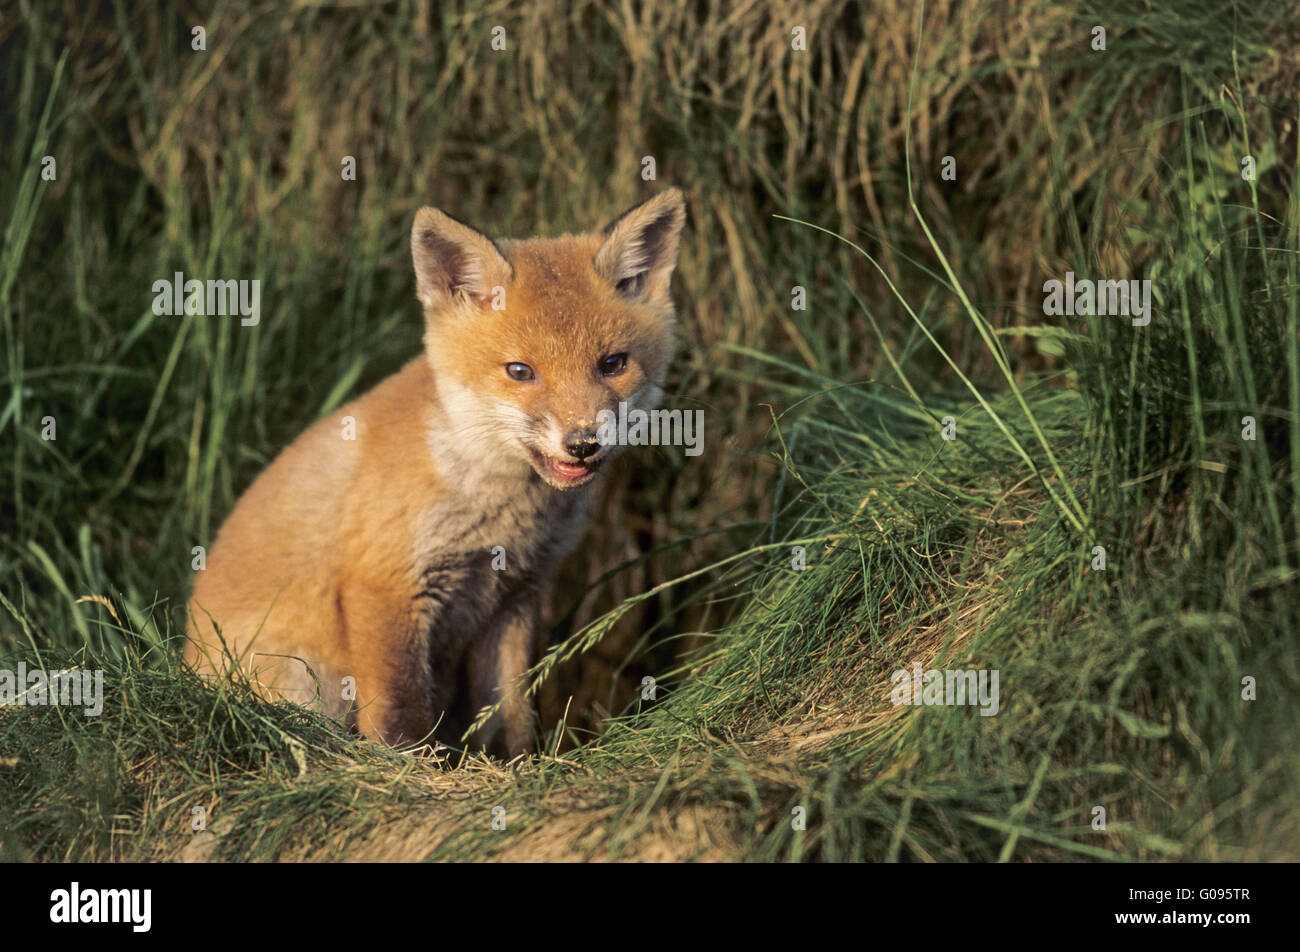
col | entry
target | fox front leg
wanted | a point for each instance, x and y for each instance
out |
(496, 664)
(389, 661)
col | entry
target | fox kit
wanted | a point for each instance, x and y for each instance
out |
(390, 563)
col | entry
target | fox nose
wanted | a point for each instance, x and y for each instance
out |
(581, 443)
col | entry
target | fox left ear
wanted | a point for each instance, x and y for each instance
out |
(640, 249)
(454, 261)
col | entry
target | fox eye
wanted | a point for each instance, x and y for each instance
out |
(521, 372)
(631, 285)
(613, 365)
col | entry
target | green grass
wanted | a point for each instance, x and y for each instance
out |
(1120, 688)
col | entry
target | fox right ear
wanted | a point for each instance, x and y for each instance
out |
(640, 249)
(454, 262)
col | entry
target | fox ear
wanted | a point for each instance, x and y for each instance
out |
(453, 261)
(640, 249)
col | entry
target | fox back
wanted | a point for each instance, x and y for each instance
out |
(390, 564)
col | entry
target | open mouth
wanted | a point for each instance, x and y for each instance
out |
(561, 473)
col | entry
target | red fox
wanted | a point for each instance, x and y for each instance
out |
(390, 563)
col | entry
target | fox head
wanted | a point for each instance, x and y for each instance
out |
(530, 340)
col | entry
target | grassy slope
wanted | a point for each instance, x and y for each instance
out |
(1120, 689)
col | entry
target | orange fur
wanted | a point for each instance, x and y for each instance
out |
(379, 558)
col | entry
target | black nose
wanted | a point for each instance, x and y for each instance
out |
(581, 443)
